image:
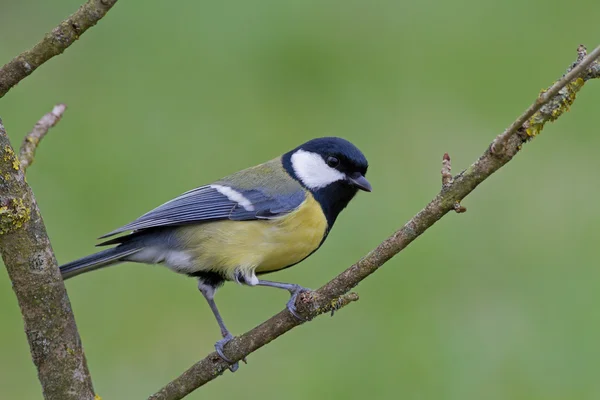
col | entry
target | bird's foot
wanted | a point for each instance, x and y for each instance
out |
(291, 304)
(219, 348)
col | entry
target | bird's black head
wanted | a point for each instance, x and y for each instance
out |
(333, 169)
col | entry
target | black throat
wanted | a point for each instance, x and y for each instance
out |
(332, 198)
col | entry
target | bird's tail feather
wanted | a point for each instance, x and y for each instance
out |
(98, 260)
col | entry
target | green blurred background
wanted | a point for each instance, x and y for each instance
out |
(498, 303)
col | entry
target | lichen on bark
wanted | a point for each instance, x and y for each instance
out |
(27, 254)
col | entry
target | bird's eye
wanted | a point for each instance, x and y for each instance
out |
(333, 161)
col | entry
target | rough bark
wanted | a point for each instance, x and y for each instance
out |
(50, 327)
(27, 254)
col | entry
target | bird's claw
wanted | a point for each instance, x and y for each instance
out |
(219, 348)
(291, 304)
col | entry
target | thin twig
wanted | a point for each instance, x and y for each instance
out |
(27, 254)
(310, 304)
(33, 138)
(446, 168)
(53, 43)
(546, 95)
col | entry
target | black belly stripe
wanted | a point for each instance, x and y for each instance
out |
(211, 278)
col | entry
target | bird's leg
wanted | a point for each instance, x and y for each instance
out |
(208, 291)
(294, 290)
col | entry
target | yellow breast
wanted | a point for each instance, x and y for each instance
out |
(256, 246)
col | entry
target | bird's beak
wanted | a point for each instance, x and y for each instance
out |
(360, 182)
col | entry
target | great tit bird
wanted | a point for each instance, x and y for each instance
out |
(259, 220)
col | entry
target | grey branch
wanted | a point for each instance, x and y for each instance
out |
(548, 107)
(27, 254)
(54, 43)
(33, 138)
(580, 67)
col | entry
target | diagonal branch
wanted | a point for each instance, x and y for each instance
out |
(33, 138)
(27, 254)
(578, 68)
(54, 43)
(553, 103)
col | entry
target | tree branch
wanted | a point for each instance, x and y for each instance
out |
(549, 106)
(33, 138)
(54, 43)
(24, 245)
(578, 68)
(27, 254)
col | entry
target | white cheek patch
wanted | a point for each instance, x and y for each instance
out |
(312, 170)
(235, 196)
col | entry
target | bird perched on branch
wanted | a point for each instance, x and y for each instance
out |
(259, 220)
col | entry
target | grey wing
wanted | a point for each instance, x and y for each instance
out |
(215, 202)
